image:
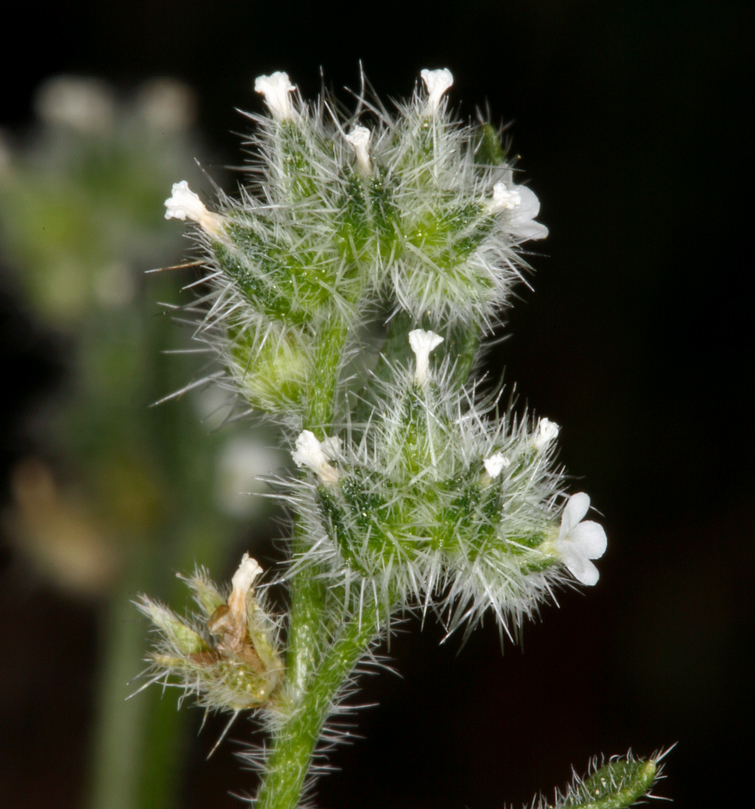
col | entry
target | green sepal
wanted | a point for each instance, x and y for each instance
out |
(367, 229)
(296, 158)
(282, 283)
(616, 785)
(183, 637)
(489, 150)
(449, 235)
(205, 593)
(271, 373)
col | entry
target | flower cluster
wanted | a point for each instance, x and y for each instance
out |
(348, 288)
(347, 291)
(406, 212)
(434, 504)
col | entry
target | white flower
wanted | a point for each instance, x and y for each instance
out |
(422, 343)
(547, 431)
(231, 624)
(85, 105)
(578, 541)
(277, 90)
(240, 462)
(436, 82)
(496, 463)
(525, 206)
(185, 204)
(359, 138)
(314, 455)
(242, 581)
(505, 199)
(167, 105)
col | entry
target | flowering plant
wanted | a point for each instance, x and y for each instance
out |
(347, 294)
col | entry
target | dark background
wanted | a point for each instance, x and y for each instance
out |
(628, 117)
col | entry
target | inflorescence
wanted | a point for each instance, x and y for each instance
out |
(347, 290)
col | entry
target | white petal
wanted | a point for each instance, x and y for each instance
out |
(436, 82)
(522, 222)
(422, 343)
(590, 539)
(578, 565)
(184, 204)
(495, 463)
(547, 431)
(309, 452)
(582, 569)
(574, 511)
(359, 138)
(242, 582)
(530, 204)
(277, 89)
(247, 572)
(528, 230)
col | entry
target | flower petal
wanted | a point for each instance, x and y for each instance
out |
(575, 510)
(522, 222)
(587, 573)
(528, 229)
(529, 206)
(590, 539)
(581, 568)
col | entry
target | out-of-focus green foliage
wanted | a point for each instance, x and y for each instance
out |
(118, 494)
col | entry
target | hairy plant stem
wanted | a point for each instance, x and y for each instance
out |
(305, 627)
(294, 744)
(317, 664)
(328, 358)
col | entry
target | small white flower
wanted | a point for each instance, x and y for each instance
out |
(525, 206)
(436, 82)
(422, 343)
(314, 455)
(496, 463)
(85, 105)
(580, 541)
(277, 89)
(359, 138)
(504, 198)
(184, 204)
(167, 105)
(242, 582)
(230, 625)
(547, 431)
(240, 463)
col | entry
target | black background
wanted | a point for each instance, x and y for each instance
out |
(629, 120)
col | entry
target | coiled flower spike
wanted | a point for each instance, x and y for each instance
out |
(344, 216)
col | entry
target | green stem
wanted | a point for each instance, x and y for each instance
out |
(316, 666)
(328, 354)
(305, 635)
(290, 759)
(308, 595)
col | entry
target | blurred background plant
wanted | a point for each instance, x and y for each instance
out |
(115, 495)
